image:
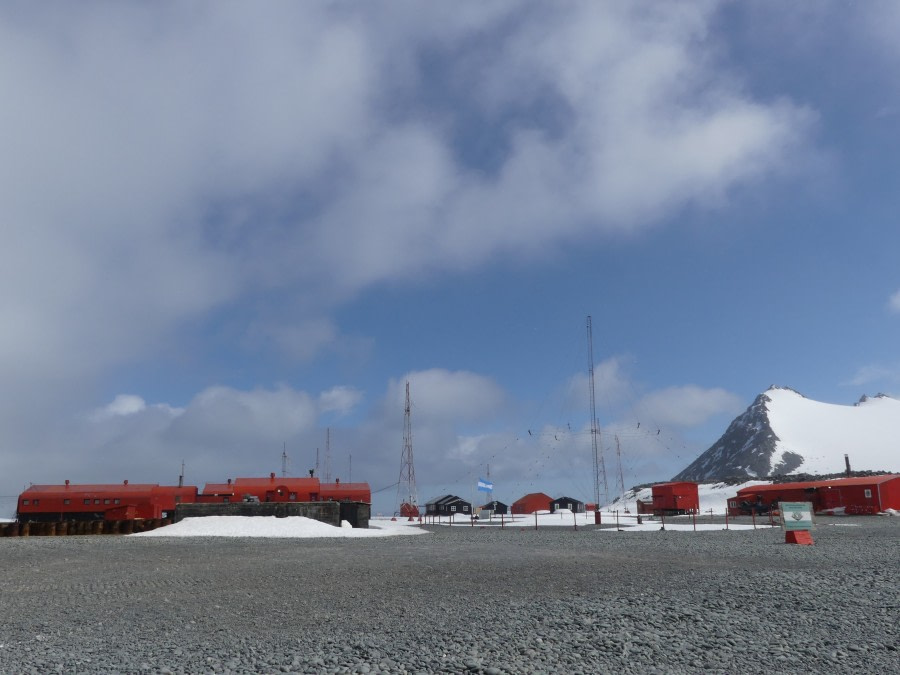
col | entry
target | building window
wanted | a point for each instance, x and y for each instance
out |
(868, 494)
(225, 500)
(117, 501)
(293, 496)
(87, 501)
(66, 501)
(26, 502)
(465, 508)
(96, 501)
(453, 508)
(106, 501)
(37, 501)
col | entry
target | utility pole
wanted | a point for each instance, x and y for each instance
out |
(597, 452)
(284, 461)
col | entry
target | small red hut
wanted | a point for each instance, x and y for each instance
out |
(534, 501)
(673, 499)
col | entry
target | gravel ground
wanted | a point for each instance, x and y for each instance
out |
(479, 600)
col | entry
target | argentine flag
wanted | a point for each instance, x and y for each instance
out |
(485, 485)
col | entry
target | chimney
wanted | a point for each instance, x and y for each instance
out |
(126, 482)
(67, 482)
(847, 463)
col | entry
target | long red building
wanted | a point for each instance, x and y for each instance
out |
(852, 496)
(127, 501)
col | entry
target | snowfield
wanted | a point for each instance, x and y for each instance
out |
(821, 433)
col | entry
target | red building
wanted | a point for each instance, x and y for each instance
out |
(672, 499)
(125, 501)
(853, 496)
(534, 501)
(48, 503)
(284, 489)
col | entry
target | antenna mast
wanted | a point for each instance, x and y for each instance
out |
(620, 479)
(327, 470)
(284, 461)
(599, 465)
(406, 486)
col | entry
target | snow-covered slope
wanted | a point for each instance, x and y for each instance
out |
(784, 432)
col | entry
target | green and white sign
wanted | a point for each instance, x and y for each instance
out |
(796, 515)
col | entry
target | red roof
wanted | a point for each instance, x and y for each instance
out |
(833, 482)
(114, 487)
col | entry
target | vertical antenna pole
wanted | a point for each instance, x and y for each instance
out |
(327, 469)
(597, 453)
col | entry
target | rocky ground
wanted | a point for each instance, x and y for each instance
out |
(480, 600)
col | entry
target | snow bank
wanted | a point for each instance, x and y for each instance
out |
(292, 527)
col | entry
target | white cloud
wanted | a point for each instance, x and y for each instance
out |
(440, 396)
(874, 374)
(689, 405)
(123, 404)
(341, 400)
(176, 158)
(164, 163)
(894, 303)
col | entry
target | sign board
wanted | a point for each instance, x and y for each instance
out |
(796, 515)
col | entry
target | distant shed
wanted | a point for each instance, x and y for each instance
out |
(448, 505)
(677, 498)
(533, 501)
(496, 508)
(570, 503)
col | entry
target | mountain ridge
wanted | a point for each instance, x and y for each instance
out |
(784, 432)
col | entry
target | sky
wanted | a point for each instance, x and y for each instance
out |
(231, 231)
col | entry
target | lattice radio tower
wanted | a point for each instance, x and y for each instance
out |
(597, 452)
(406, 486)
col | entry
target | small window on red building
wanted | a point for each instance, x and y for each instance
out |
(96, 501)
(293, 496)
(66, 501)
(87, 501)
(868, 494)
(117, 501)
(26, 502)
(37, 501)
(106, 501)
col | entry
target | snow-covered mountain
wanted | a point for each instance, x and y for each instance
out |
(784, 432)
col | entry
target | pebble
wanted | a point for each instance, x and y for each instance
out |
(491, 602)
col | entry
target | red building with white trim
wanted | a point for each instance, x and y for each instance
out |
(851, 496)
